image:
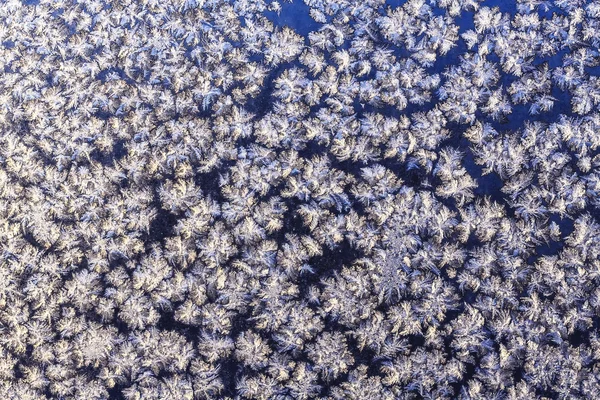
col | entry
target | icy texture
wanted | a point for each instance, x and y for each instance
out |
(328, 199)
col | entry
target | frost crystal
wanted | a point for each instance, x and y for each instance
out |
(306, 199)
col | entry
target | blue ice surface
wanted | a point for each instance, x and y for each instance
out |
(295, 15)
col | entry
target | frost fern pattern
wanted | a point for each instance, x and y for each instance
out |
(305, 199)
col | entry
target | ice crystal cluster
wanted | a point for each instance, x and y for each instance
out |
(317, 199)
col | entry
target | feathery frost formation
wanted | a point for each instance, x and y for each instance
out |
(328, 199)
